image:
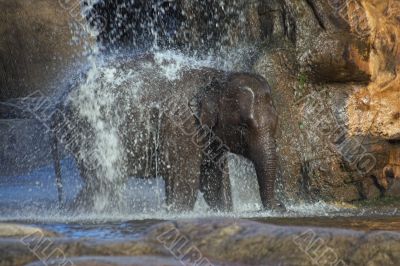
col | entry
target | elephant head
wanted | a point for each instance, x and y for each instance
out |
(239, 109)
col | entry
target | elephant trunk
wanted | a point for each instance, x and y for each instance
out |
(265, 162)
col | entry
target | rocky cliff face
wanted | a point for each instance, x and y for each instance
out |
(35, 46)
(333, 68)
(375, 108)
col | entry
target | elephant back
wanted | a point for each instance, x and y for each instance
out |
(132, 98)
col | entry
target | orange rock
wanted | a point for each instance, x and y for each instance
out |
(391, 171)
(394, 157)
(375, 109)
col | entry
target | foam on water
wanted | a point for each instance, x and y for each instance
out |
(38, 204)
(38, 215)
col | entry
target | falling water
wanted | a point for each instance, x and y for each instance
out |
(244, 185)
(160, 28)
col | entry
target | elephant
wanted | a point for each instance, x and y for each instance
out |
(181, 129)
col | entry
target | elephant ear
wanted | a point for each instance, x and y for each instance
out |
(206, 109)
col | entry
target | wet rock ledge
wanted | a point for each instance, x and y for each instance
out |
(205, 242)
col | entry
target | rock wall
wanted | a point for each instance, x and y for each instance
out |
(375, 109)
(35, 45)
(322, 58)
(304, 49)
(25, 146)
(191, 26)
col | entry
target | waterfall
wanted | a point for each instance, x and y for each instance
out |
(244, 185)
(180, 35)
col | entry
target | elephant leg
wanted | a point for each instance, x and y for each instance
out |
(181, 195)
(215, 184)
(182, 179)
(181, 186)
(97, 194)
(169, 189)
(85, 198)
(226, 192)
(181, 159)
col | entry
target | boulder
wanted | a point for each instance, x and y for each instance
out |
(324, 64)
(25, 146)
(17, 231)
(336, 57)
(375, 108)
(369, 189)
(232, 240)
(393, 189)
(125, 261)
(112, 261)
(36, 48)
(213, 241)
(390, 176)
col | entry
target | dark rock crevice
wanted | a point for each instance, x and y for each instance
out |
(316, 14)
